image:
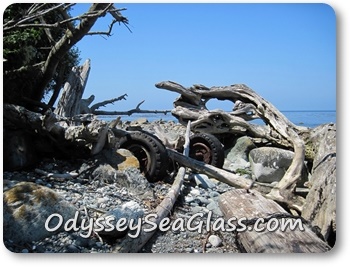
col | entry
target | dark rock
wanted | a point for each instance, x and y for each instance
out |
(19, 150)
(72, 249)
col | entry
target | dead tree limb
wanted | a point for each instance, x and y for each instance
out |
(131, 111)
(96, 106)
(248, 105)
(68, 40)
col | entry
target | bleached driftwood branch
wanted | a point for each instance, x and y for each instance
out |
(131, 111)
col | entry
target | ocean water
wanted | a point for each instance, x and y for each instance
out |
(303, 118)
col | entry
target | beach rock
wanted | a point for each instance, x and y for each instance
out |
(27, 207)
(121, 218)
(269, 164)
(215, 241)
(119, 159)
(128, 160)
(19, 150)
(105, 173)
(135, 183)
(238, 156)
(203, 181)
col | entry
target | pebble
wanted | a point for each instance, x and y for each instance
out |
(195, 192)
(203, 200)
(215, 241)
(72, 249)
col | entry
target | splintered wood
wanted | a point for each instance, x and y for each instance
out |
(258, 236)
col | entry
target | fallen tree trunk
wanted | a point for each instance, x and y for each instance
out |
(51, 134)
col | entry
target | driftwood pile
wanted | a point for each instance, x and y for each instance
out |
(70, 132)
(318, 146)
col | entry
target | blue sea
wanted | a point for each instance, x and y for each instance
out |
(303, 118)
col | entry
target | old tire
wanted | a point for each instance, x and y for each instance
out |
(150, 152)
(207, 148)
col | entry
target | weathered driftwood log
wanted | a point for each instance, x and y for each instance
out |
(320, 204)
(245, 210)
(69, 140)
(69, 103)
(133, 245)
(248, 105)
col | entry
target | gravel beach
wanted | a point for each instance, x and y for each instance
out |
(94, 194)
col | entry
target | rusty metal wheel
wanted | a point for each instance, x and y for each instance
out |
(207, 148)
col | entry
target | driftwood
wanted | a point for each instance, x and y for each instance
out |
(65, 137)
(69, 103)
(133, 245)
(248, 106)
(175, 142)
(320, 204)
(248, 207)
(317, 146)
(96, 106)
(219, 174)
(131, 111)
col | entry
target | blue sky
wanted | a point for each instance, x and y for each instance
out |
(285, 52)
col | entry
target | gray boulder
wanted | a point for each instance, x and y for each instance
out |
(27, 208)
(237, 156)
(269, 164)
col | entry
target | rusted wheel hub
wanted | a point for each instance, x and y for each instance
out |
(201, 152)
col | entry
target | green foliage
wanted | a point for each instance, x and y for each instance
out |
(243, 172)
(19, 47)
(25, 50)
